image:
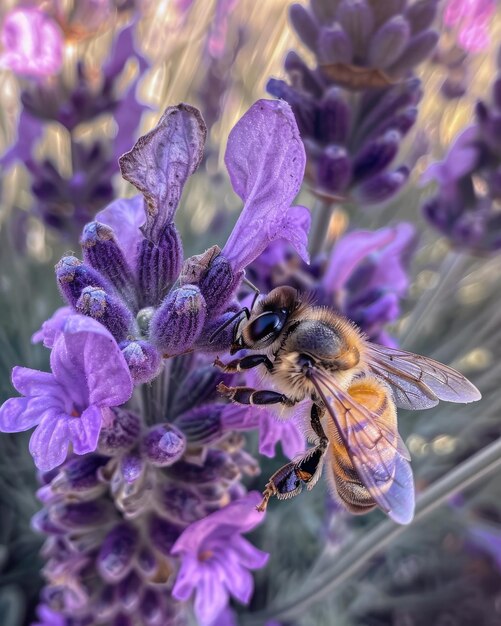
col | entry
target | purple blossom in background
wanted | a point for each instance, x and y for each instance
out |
(215, 559)
(464, 205)
(67, 203)
(364, 276)
(158, 486)
(356, 105)
(32, 43)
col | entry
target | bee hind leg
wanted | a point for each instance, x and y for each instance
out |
(248, 395)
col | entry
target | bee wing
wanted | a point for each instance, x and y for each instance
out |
(379, 457)
(417, 381)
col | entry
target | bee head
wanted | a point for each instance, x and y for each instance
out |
(267, 321)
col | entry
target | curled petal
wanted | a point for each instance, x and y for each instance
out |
(161, 161)
(19, 414)
(52, 327)
(265, 159)
(126, 217)
(85, 429)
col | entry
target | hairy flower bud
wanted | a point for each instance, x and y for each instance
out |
(73, 276)
(117, 552)
(108, 310)
(121, 433)
(143, 360)
(163, 445)
(179, 320)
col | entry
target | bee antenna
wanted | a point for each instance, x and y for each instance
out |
(219, 330)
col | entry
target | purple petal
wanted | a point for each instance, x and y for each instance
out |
(49, 442)
(88, 363)
(238, 580)
(161, 161)
(52, 327)
(265, 159)
(35, 383)
(19, 414)
(126, 216)
(187, 578)
(248, 555)
(85, 429)
(349, 252)
(211, 598)
(238, 517)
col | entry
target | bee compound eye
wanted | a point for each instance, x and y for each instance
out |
(266, 324)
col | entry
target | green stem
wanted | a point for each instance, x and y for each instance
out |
(321, 215)
(360, 551)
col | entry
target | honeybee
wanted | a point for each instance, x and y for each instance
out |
(312, 353)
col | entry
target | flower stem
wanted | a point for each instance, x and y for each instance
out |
(322, 211)
(360, 551)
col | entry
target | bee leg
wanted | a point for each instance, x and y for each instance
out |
(247, 395)
(245, 363)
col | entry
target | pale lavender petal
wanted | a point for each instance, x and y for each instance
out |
(88, 363)
(49, 442)
(126, 216)
(265, 159)
(85, 429)
(238, 580)
(35, 383)
(52, 327)
(349, 252)
(239, 516)
(211, 598)
(248, 555)
(19, 414)
(122, 50)
(187, 578)
(161, 161)
(461, 159)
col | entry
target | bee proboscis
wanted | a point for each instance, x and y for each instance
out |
(311, 353)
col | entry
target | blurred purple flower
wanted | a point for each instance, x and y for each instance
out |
(366, 48)
(215, 559)
(472, 19)
(88, 375)
(32, 43)
(464, 205)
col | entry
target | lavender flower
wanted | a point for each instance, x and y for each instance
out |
(159, 483)
(66, 204)
(32, 43)
(464, 205)
(69, 405)
(216, 559)
(364, 47)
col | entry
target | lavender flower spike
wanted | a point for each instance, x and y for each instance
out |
(69, 405)
(162, 160)
(216, 560)
(265, 159)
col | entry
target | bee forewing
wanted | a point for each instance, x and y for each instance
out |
(417, 381)
(374, 447)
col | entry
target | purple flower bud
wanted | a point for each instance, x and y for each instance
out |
(120, 433)
(388, 43)
(42, 523)
(73, 276)
(324, 10)
(218, 468)
(334, 46)
(163, 534)
(382, 187)
(202, 383)
(80, 474)
(163, 445)
(357, 20)
(106, 604)
(147, 562)
(179, 321)
(83, 514)
(302, 104)
(376, 155)
(129, 592)
(143, 359)
(218, 284)
(295, 66)
(213, 339)
(131, 467)
(202, 425)
(419, 48)
(108, 310)
(117, 552)
(305, 25)
(159, 264)
(180, 504)
(421, 14)
(151, 609)
(102, 252)
(334, 169)
(401, 122)
(334, 117)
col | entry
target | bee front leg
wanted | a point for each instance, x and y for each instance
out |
(247, 395)
(245, 363)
